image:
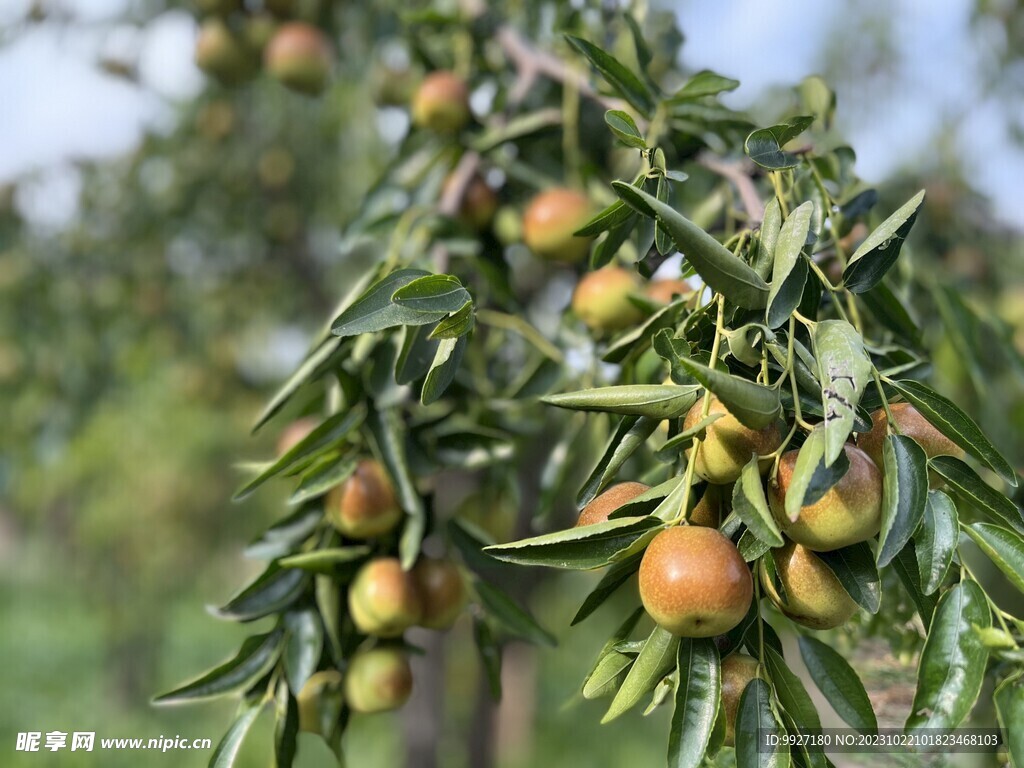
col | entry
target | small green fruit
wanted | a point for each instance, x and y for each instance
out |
(442, 592)
(814, 597)
(727, 444)
(221, 54)
(694, 583)
(383, 599)
(310, 699)
(441, 104)
(601, 299)
(300, 57)
(364, 506)
(738, 670)
(378, 680)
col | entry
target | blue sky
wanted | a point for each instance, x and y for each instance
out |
(58, 107)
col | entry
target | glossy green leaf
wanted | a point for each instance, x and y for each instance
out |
(750, 547)
(1009, 701)
(457, 324)
(432, 293)
(844, 371)
(375, 311)
(790, 270)
(510, 616)
(697, 695)
(904, 494)
(839, 683)
(490, 655)
(443, 369)
(607, 675)
(952, 666)
(751, 506)
(936, 541)
(624, 82)
(823, 479)
(656, 401)
(756, 722)
(717, 266)
(877, 254)
(272, 590)
(304, 646)
(631, 433)
(790, 690)
(417, 353)
(704, 83)
(257, 655)
(754, 405)
(615, 214)
(624, 127)
(321, 479)
(764, 146)
(771, 227)
(964, 483)
(892, 312)
(386, 429)
(583, 548)
(662, 237)
(655, 660)
(286, 727)
(855, 568)
(226, 753)
(946, 417)
(745, 342)
(905, 566)
(1004, 547)
(811, 455)
(286, 534)
(326, 560)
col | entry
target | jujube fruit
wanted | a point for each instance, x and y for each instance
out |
(728, 444)
(378, 680)
(738, 670)
(478, 205)
(912, 424)
(601, 299)
(442, 592)
(310, 699)
(707, 512)
(299, 56)
(383, 600)
(694, 583)
(814, 596)
(550, 221)
(364, 506)
(667, 291)
(598, 510)
(220, 53)
(441, 103)
(850, 511)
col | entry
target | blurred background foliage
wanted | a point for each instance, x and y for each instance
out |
(139, 338)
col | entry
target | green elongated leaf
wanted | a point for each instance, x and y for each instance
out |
(656, 401)
(789, 271)
(905, 565)
(890, 311)
(327, 435)
(946, 417)
(750, 547)
(510, 616)
(1004, 547)
(274, 589)
(584, 548)
(614, 215)
(613, 643)
(844, 371)
(755, 405)
(609, 672)
(327, 592)
(744, 341)
(326, 560)
(616, 575)
(432, 293)
(964, 483)
(672, 350)
(936, 541)
(751, 506)
(315, 365)
(824, 478)
(756, 720)
(321, 479)
(286, 727)
(386, 430)
(631, 433)
(624, 82)
(624, 128)
(490, 655)
(840, 684)
(654, 661)
(855, 568)
(442, 371)
(257, 655)
(704, 83)
(904, 494)
(604, 252)
(717, 266)
(457, 324)
(304, 646)
(226, 753)
(771, 227)
(810, 457)
(375, 311)
(697, 695)
(791, 692)
(879, 251)
(671, 448)
(662, 238)
(417, 353)
(952, 666)
(286, 534)
(1009, 701)
(764, 146)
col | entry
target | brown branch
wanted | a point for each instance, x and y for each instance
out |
(738, 174)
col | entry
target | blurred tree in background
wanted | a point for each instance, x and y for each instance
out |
(140, 339)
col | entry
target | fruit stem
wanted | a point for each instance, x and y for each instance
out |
(890, 423)
(777, 184)
(571, 130)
